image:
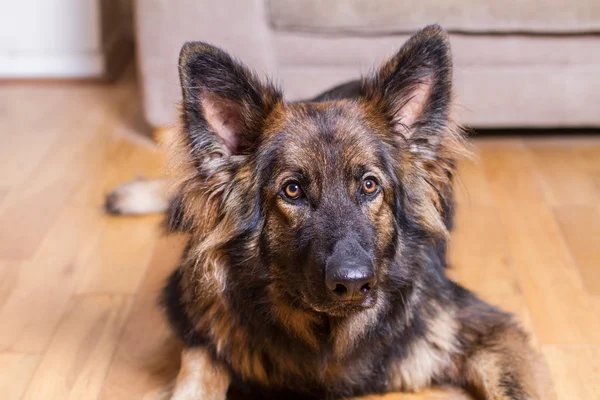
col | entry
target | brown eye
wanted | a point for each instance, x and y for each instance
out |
(369, 186)
(292, 191)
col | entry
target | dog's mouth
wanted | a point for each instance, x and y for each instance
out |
(339, 308)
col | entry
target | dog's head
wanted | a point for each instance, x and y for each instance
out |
(322, 200)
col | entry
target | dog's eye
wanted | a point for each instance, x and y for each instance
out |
(292, 191)
(369, 186)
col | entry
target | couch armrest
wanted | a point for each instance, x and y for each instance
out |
(162, 26)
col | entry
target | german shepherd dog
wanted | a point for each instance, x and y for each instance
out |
(315, 266)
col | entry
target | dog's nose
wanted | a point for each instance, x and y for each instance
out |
(349, 281)
(349, 274)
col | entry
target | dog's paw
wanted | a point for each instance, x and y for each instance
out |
(137, 197)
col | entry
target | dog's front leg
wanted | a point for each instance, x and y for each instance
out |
(200, 378)
(503, 366)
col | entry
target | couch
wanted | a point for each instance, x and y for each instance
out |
(518, 63)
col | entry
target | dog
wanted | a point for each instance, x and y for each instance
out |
(316, 260)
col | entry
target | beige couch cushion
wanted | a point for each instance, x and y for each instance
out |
(398, 16)
(491, 97)
(300, 49)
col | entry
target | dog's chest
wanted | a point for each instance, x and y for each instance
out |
(298, 367)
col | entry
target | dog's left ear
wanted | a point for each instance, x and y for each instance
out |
(414, 88)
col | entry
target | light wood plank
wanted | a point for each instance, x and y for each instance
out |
(590, 160)
(31, 209)
(511, 175)
(564, 177)
(550, 281)
(146, 359)
(75, 364)
(471, 187)
(36, 292)
(16, 168)
(481, 261)
(118, 262)
(24, 224)
(31, 133)
(561, 308)
(575, 371)
(3, 193)
(438, 394)
(85, 132)
(15, 372)
(447, 393)
(120, 162)
(9, 275)
(581, 229)
(39, 299)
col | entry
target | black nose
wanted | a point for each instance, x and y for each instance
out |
(351, 282)
(350, 274)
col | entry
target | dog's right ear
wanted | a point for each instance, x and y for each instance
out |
(224, 104)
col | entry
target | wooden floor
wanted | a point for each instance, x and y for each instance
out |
(78, 288)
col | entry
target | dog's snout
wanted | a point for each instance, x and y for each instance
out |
(350, 274)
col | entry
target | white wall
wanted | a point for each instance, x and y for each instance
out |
(51, 39)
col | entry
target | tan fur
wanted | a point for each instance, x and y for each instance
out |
(223, 116)
(297, 322)
(510, 354)
(139, 196)
(410, 112)
(430, 357)
(200, 378)
(353, 328)
(429, 176)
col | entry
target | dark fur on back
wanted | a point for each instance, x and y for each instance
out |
(249, 285)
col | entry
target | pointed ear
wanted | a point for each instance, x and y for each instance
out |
(224, 104)
(414, 87)
(414, 91)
